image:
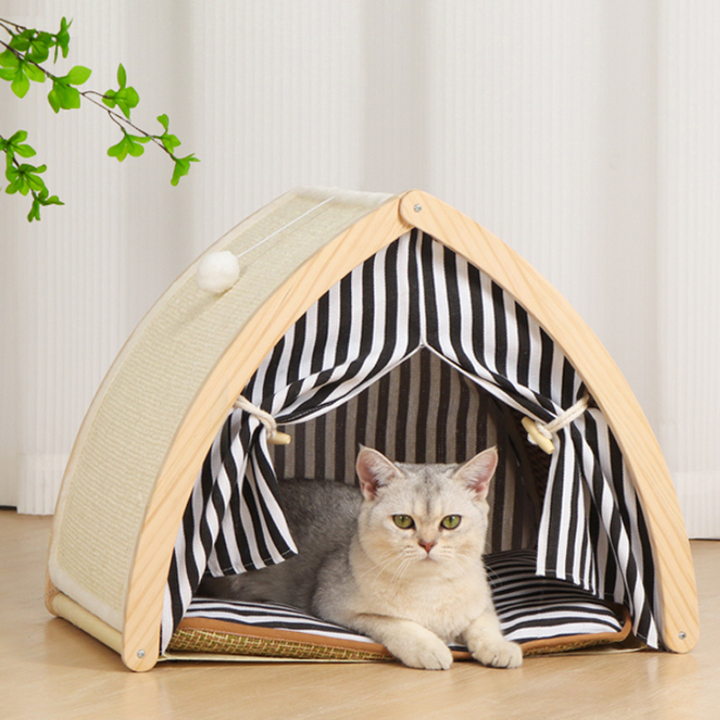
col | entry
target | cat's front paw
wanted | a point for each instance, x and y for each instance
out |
(426, 652)
(499, 654)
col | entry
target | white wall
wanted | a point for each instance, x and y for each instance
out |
(689, 255)
(582, 133)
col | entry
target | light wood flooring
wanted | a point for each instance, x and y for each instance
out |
(49, 670)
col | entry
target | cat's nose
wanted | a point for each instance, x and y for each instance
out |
(427, 546)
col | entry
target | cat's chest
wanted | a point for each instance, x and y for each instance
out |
(444, 605)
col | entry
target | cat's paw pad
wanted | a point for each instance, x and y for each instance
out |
(501, 654)
(427, 654)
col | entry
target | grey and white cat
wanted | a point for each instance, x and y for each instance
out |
(400, 564)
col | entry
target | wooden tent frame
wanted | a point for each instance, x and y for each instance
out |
(293, 251)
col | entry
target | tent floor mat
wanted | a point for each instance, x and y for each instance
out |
(543, 615)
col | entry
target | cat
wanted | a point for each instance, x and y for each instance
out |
(399, 561)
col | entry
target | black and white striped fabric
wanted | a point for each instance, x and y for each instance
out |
(530, 608)
(418, 295)
(272, 616)
(451, 417)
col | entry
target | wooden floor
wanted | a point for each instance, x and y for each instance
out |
(50, 670)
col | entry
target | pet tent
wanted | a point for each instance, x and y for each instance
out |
(390, 320)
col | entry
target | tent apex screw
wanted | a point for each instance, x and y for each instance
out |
(682, 635)
(141, 654)
(417, 207)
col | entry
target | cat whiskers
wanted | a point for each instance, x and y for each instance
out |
(379, 567)
(490, 573)
(402, 562)
(452, 563)
(454, 560)
(405, 562)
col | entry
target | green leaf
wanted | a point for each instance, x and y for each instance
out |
(21, 41)
(62, 96)
(109, 98)
(24, 178)
(25, 151)
(118, 151)
(131, 96)
(129, 145)
(40, 45)
(20, 84)
(71, 98)
(123, 105)
(34, 73)
(19, 74)
(126, 98)
(182, 168)
(62, 39)
(52, 200)
(135, 149)
(78, 75)
(121, 76)
(31, 174)
(9, 59)
(170, 142)
(42, 198)
(34, 213)
(54, 100)
(15, 145)
(15, 186)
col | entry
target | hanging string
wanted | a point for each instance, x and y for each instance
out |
(275, 437)
(541, 434)
(217, 272)
(284, 227)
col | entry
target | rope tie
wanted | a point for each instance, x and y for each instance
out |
(275, 437)
(541, 434)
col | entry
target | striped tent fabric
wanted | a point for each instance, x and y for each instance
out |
(418, 297)
(451, 419)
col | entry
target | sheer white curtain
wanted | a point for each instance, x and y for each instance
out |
(582, 133)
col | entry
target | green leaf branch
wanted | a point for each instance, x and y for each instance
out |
(21, 64)
(24, 178)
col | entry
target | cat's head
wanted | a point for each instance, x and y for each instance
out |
(432, 517)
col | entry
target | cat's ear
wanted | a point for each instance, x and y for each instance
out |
(478, 472)
(374, 471)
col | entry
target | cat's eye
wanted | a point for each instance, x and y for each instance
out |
(450, 522)
(404, 522)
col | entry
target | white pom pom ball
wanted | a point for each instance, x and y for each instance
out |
(218, 272)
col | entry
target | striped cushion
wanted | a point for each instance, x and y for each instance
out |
(541, 614)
